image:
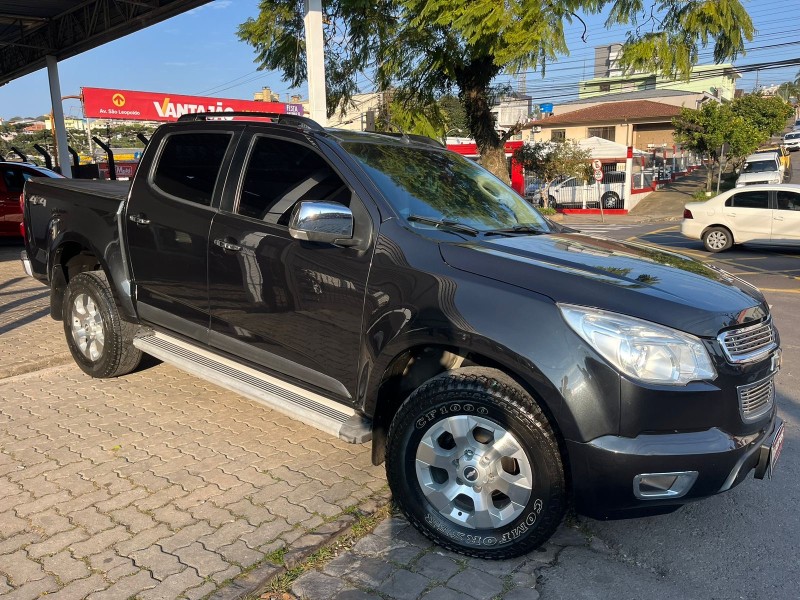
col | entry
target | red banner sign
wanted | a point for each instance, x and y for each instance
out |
(99, 103)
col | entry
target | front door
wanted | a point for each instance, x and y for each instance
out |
(786, 218)
(168, 220)
(294, 307)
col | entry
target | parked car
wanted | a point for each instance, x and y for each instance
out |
(784, 156)
(574, 192)
(386, 290)
(761, 168)
(758, 214)
(792, 141)
(13, 176)
(796, 126)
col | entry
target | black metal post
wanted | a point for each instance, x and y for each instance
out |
(112, 168)
(48, 161)
(16, 151)
(76, 160)
(143, 138)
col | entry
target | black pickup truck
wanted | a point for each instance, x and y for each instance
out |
(381, 288)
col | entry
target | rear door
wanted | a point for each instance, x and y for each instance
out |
(167, 223)
(786, 218)
(750, 216)
(291, 306)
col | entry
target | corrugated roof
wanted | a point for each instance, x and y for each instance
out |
(636, 110)
(32, 29)
(635, 95)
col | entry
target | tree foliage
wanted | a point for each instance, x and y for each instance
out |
(768, 114)
(549, 160)
(427, 48)
(743, 125)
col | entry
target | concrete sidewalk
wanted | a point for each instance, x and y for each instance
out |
(667, 203)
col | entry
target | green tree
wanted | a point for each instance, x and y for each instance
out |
(549, 160)
(427, 48)
(768, 114)
(455, 117)
(705, 131)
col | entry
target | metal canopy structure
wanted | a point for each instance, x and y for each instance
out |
(31, 30)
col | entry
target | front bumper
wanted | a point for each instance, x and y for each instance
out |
(604, 470)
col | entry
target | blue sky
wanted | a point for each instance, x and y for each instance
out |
(198, 53)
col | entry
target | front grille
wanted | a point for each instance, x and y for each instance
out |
(755, 399)
(748, 344)
(765, 182)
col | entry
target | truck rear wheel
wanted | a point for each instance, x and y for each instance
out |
(474, 465)
(99, 340)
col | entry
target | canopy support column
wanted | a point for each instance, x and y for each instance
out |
(58, 116)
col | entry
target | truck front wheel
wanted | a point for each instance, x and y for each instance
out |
(99, 340)
(474, 465)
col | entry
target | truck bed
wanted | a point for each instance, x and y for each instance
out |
(113, 190)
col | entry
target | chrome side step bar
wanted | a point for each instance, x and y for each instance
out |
(295, 402)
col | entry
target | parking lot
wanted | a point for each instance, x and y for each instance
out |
(153, 485)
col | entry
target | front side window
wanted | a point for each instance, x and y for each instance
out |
(788, 200)
(281, 173)
(189, 165)
(437, 184)
(751, 199)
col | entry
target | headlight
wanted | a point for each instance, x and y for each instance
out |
(641, 350)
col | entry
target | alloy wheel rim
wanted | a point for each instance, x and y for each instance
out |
(86, 324)
(717, 240)
(474, 472)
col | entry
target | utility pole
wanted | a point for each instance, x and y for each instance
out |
(315, 61)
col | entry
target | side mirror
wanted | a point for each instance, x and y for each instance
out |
(327, 222)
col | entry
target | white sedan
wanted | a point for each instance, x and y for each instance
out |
(757, 214)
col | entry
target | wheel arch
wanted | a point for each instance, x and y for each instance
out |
(410, 368)
(721, 226)
(73, 254)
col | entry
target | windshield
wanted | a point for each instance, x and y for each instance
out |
(760, 166)
(436, 184)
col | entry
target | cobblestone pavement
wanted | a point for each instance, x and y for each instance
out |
(26, 330)
(395, 562)
(152, 485)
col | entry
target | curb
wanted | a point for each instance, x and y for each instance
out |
(256, 582)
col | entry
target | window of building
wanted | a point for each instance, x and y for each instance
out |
(605, 87)
(558, 135)
(189, 165)
(607, 133)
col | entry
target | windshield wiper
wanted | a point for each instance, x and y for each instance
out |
(444, 224)
(516, 229)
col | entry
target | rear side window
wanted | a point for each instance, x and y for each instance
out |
(189, 165)
(750, 199)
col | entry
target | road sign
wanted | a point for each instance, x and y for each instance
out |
(598, 175)
(597, 165)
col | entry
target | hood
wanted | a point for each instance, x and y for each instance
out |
(633, 279)
(765, 176)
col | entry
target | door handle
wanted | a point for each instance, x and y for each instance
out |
(730, 214)
(778, 218)
(139, 219)
(226, 245)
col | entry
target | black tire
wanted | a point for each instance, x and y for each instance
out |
(717, 239)
(611, 200)
(492, 403)
(99, 340)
